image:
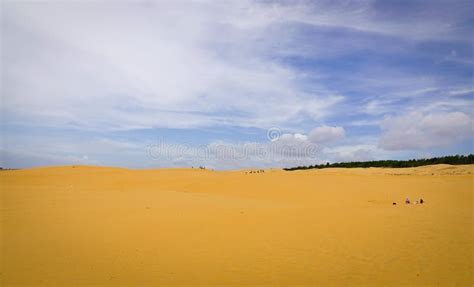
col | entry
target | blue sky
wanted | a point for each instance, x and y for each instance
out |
(234, 84)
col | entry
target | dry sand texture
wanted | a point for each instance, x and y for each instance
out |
(78, 226)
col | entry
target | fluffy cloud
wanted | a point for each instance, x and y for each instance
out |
(23, 158)
(163, 64)
(326, 134)
(347, 153)
(284, 150)
(183, 64)
(421, 131)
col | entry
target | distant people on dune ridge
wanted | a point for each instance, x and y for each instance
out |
(255, 171)
(407, 201)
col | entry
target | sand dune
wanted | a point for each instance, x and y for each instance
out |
(83, 225)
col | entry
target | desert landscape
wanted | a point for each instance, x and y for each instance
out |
(102, 226)
(236, 143)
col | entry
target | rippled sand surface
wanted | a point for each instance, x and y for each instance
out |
(98, 226)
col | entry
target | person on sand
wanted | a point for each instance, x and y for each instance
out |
(407, 201)
(421, 200)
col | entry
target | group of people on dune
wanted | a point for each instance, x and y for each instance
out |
(255, 171)
(407, 201)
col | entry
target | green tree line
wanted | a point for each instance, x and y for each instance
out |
(454, 159)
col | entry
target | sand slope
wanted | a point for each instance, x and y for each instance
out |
(73, 226)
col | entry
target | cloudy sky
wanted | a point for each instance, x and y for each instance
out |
(234, 84)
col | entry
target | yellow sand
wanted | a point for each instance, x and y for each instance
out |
(77, 226)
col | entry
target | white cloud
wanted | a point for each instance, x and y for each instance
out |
(364, 16)
(420, 131)
(352, 153)
(290, 149)
(461, 92)
(365, 151)
(164, 64)
(28, 158)
(174, 64)
(377, 107)
(286, 150)
(326, 134)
